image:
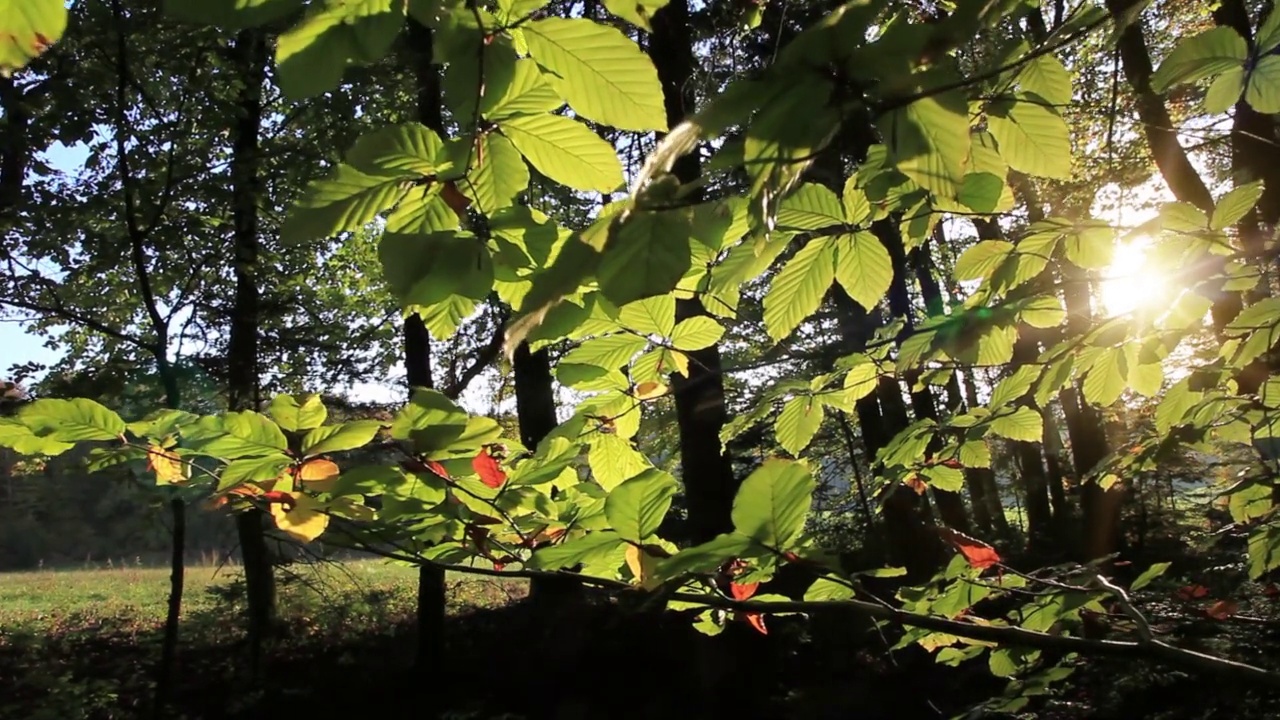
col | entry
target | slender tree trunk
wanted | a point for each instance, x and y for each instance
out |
(432, 592)
(1053, 463)
(707, 471)
(251, 55)
(1100, 507)
(177, 563)
(1039, 517)
(985, 477)
(950, 504)
(536, 411)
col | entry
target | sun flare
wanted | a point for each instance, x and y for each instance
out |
(1132, 283)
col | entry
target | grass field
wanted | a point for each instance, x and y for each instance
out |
(83, 643)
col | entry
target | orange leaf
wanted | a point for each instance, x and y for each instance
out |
(915, 483)
(319, 475)
(279, 496)
(487, 468)
(1222, 609)
(649, 390)
(756, 620)
(1192, 592)
(742, 591)
(979, 554)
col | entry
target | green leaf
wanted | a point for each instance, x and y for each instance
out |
(637, 506)
(1033, 138)
(1235, 205)
(799, 287)
(231, 14)
(1106, 379)
(981, 191)
(511, 86)
(1250, 502)
(636, 12)
(705, 558)
(1200, 56)
(20, 439)
(975, 454)
(292, 415)
(929, 139)
(431, 420)
(614, 460)
(1224, 92)
(1047, 77)
(337, 438)
(857, 208)
(609, 352)
(1268, 35)
(1013, 387)
(344, 201)
(253, 470)
(1173, 407)
(406, 150)
(862, 267)
(649, 256)
(236, 435)
(772, 503)
(441, 275)
(27, 28)
(312, 55)
(422, 210)
(798, 422)
(651, 316)
(565, 150)
(810, 207)
(824, 590)
(587, 549)
(497, 176)
(70, 421)
(1264, 550)
(1022, 424)
(944, 478)
(1151, 573)
(1045, 311)
(696, 333)
(603, 76)
(980, 261)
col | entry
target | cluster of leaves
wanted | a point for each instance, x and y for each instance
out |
(585, 499)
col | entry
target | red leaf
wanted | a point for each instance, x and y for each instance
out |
(979, 554)
(487, 468)
(279, 496)
(915, 483)
(1192, 592)
(454, 198)
(742, 591)
(756, 620)
(1222, 609)
(499, 566)
(438, 469)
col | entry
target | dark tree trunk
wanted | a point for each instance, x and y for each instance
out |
(432, 595)
(985, 478)
(251, 55)
(177, 564)
(951, 508)
(707, 471)
(1034, 481)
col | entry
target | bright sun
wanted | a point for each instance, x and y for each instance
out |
(1131, 282)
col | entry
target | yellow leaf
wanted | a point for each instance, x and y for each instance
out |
(302, 519)
(168, 467)
(319, 475)
(641, 565)
(650, 389)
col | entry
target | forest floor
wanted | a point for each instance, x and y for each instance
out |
(82, 644)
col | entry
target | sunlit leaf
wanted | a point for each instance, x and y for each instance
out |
(772, 503)
(636, 507)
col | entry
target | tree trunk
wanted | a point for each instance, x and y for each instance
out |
(950, 504)
(1100, 508)
(536, 411)
(986, 477)
(177, 563)
(432, 595)
(1039, 517)
(707, 471)
(251, 55)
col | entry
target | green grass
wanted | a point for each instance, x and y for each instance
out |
(134, 599)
